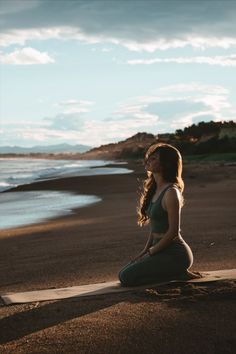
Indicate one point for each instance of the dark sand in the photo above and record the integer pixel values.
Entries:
(93, 244)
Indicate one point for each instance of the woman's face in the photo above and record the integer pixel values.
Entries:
(152, 164)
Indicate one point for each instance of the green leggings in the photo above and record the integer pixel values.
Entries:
(166, 264)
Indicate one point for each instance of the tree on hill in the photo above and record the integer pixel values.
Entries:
(203, 129)
(207, 138)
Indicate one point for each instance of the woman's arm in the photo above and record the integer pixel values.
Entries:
(173, 207)
(146, 248)
(149, 242)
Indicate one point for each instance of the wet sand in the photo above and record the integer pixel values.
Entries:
(93, 244)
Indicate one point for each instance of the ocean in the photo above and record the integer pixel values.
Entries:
(26, 208)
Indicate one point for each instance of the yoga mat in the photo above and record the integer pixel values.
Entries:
(105, 288)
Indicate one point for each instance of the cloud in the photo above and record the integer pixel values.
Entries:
(106, 50)
(137, 25)
(222, 60)
(82, 128)
(93, 132)
(65, 121)
(122, 124)
(181, 105)
(196, 87)
(213, 96)
(8, 7)
(30, 136)
(72, 106)
(113, 130)
(77, 102)
(193, 41)
(71, 116)
(169, 108)
(21, 36)
(26, 56)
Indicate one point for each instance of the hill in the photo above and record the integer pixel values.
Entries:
(132, 147)
(203, 138)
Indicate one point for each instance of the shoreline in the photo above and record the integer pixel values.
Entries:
(15, 174)
(34, 186)
(100, 185)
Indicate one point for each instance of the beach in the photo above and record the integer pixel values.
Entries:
(92, 244)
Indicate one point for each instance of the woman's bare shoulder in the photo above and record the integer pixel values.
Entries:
(173, 191)
(173, 194)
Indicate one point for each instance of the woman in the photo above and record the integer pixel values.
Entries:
(166, 254)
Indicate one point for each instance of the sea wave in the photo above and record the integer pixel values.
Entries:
(38, 206)
(16, 172)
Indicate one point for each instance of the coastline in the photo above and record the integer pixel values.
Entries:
(92, 245)
(15, 175)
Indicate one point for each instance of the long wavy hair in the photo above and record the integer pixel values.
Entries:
(171, 171)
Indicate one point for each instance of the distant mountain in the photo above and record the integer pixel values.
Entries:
(50, 149)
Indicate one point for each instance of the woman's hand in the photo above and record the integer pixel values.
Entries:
(144, 252)
(139, 256)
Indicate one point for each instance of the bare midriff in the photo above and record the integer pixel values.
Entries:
(162, 234)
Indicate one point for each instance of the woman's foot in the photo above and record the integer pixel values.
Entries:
(193, 275)
(188, 275)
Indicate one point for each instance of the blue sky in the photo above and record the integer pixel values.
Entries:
(94, 72)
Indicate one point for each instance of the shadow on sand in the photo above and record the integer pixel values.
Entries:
(39, 316)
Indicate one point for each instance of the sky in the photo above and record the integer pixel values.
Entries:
(94, 72)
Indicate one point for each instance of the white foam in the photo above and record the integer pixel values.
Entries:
(14, 172)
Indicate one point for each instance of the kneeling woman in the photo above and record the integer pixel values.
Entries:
(166, 254)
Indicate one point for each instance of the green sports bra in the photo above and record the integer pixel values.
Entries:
(157, 215)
